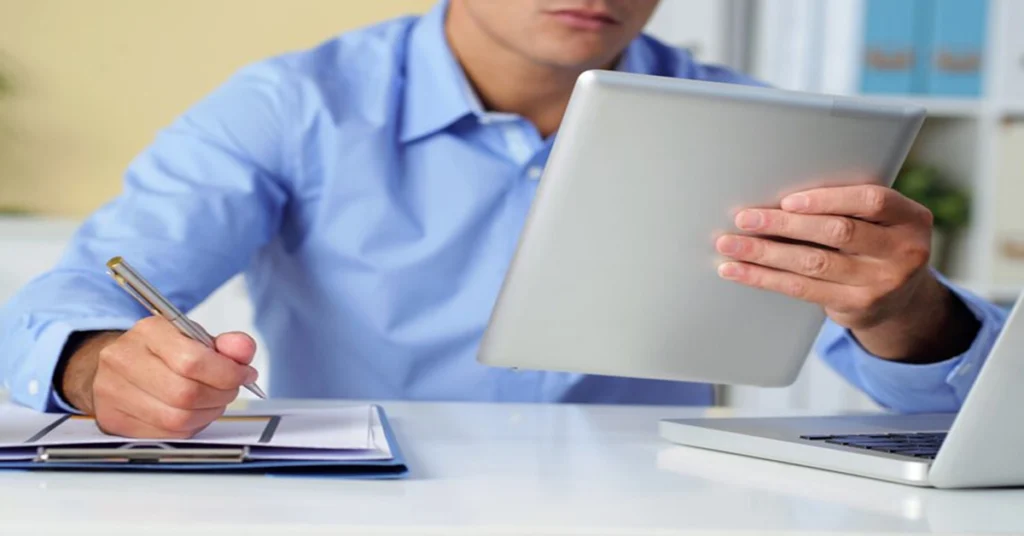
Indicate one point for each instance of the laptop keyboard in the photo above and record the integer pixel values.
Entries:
(917, 445)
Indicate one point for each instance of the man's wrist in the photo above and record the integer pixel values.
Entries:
(936, 326)
(76, 368)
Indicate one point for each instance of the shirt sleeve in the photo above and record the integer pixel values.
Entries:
(936, 387)
(196, 204)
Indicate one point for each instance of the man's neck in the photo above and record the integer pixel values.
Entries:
(504, 80)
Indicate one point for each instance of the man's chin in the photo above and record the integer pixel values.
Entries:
(578, 60)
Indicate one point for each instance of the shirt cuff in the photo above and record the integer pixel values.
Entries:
(935, 387)
(58, 404)
(32, 383)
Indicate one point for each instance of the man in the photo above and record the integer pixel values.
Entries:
(373, 189)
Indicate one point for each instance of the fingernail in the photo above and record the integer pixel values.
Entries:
(729, 245)
(796, 202)
(750, 220)
(729, 270)
(252, 376)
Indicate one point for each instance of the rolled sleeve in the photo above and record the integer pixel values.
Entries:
(197, 204)
(31, 382)
(936, 387)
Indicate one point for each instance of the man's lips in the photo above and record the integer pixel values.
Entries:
(581, 19)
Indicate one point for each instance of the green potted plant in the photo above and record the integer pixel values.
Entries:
(950, 206)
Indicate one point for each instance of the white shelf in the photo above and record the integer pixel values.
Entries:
(950, 108)
(938, 107)
(1013, 109)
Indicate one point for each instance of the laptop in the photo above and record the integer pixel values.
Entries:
(979, 446)
(615, 270)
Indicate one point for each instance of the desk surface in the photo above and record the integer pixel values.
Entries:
(508, 469)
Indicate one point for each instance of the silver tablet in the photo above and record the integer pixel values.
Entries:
(615, 271)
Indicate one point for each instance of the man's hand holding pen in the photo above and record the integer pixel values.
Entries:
(153, 381)
(164, 378)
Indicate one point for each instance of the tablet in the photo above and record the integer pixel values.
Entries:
(615, 272)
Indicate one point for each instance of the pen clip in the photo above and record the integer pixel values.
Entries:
(135, 294)
(196, 331)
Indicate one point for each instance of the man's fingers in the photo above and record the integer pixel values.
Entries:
(837, 232)
(119, 423)
(119, 394)
(868, 202)
(116, 422)
(189, 358)
(812, 262)
(150, 374)
(788, 283)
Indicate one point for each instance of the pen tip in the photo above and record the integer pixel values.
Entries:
(255, 389)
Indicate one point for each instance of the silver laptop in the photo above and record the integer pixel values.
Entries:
(981, 446)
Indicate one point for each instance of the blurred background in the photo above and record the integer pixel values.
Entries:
(84, 85)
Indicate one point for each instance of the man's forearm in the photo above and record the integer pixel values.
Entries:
(78, 368)
(937, 327)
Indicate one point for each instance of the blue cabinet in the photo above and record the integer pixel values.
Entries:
(932, 47)
(958, 47)
(895, 53)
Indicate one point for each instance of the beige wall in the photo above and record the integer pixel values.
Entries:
(94, 79)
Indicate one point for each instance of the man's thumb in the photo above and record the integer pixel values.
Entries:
(237, 346)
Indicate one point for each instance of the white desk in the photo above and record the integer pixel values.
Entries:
(507, 469)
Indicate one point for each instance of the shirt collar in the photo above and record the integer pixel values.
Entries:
(435, 85)
(437, 92)
(638, 57)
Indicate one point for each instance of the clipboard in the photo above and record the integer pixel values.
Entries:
(218, 452)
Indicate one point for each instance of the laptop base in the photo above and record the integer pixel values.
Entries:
(780, 439)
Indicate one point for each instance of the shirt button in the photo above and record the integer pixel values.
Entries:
(33, 387)
(534, 172)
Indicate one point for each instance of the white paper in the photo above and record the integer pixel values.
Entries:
(18, 424)
(259, 453)
(76, 429)
(357, 429)
(232, 431)
(347, 428)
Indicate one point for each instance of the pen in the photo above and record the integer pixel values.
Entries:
(151, 299)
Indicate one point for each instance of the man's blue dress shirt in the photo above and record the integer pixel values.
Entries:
(373, 206)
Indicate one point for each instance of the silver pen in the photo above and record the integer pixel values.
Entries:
(151, 299)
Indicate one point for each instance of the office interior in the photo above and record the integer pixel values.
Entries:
(85, 86)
